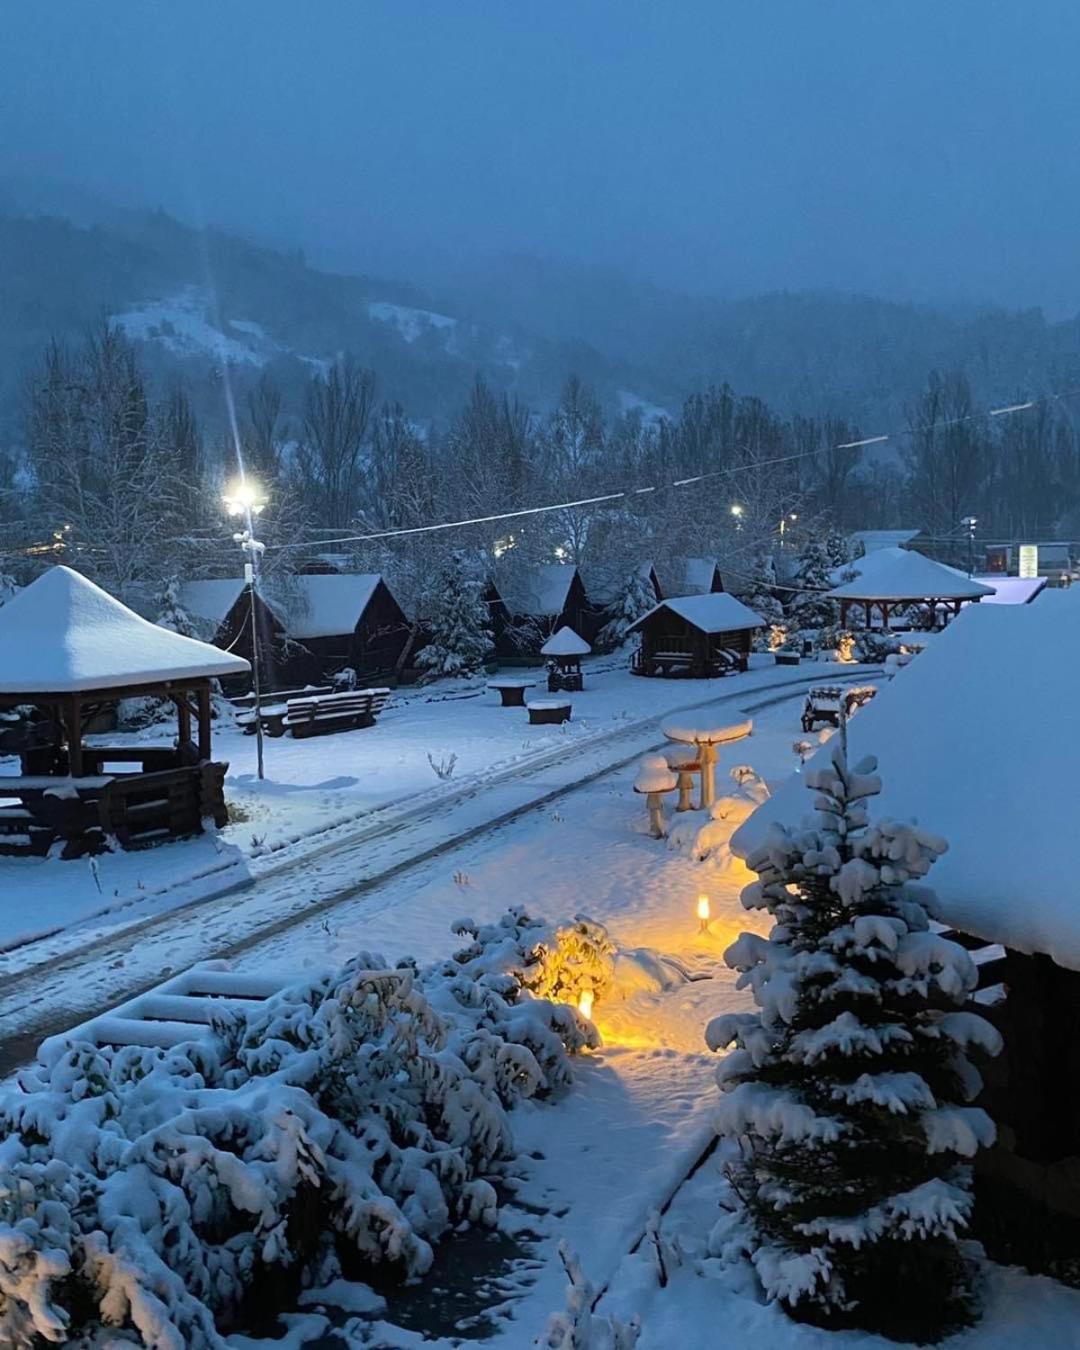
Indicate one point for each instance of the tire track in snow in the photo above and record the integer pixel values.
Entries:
(54, 996)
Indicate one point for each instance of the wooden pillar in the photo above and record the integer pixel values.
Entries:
(204, 721)
(73, 730)
(183, 718)
(885, 616)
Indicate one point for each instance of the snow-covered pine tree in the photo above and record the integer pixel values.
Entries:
(845, 1092)
(837, 547)
(171, 612)
(636, 599)
(811, 613)
(760, 596)
(460, 637)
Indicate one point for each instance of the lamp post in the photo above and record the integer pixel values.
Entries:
(737, 511)
(970, 522)
(246, 500)
(793, 517)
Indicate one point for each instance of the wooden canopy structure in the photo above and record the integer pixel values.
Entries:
(68, 649)
(894, 579)
(696, 636)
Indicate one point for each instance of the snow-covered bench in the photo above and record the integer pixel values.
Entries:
(823, 703)
(333, 712)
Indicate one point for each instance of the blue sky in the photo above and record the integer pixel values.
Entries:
(925, 148)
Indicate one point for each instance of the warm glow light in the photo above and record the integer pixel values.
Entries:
(736, 510)
(703, 909)
(585, 1002)
(243, 496)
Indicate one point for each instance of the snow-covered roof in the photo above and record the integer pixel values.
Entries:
(902, 574)
(872, 540)
(540, 591)
(605, 584)
(688, 576)
(326, 604)
(210, 600)
(1012, 590)
(62, 635)
(717, 612)
(977, 740)
(565, 643)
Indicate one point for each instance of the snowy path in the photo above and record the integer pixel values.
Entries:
(58, 988)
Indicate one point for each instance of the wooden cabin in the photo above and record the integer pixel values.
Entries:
(689, 576)
(977, 740)
(695, 636)
(68, 650)
(540, 600)
(348, 619)
(221, 609)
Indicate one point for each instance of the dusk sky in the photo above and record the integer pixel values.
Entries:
(909, 149)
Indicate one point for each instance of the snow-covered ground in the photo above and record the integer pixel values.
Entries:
(324, 782)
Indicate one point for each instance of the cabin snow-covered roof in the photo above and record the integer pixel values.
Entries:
(540, 591)
(326, 604)
(62, 634)
(902, 574)
(716, 612)
(211, 598)
(1012, 590)
(976, 740)
(688, 576)
(872, 540)
(565, 643)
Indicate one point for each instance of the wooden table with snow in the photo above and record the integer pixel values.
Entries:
(511, 692)
(706, 735)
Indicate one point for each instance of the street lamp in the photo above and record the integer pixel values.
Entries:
(970, 522)
(793, 517)
(246, 500)
(737, 511)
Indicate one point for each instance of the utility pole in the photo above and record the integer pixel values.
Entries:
(245, 499)
(970, 522)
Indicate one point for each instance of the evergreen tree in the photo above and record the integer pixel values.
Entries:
(460, 637)
(843, 1089)
(638, 597)
(761, 598)
(837, 548)
(811, 610)
(171, 612)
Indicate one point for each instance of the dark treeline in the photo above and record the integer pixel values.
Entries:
(124, 482)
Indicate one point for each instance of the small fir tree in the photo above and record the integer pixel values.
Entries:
(460, 638)
(811, 612)
(837, 548)
(637, 598)
(845, 1091)
(760, 596)
(171, 612)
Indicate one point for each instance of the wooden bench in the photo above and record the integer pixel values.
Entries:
(334, 712)
(549, 712)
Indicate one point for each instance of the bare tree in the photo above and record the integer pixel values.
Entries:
(333, 437)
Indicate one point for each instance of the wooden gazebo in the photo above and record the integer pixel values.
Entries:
(895, 579)
(697, 636)
(67, 651)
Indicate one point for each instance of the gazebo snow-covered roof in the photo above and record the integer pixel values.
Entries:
(976, 740)
(565, 643)
(716, 612)
(63, 634)
(899, 574)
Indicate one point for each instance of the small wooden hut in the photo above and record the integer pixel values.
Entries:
(345, 619)
(66, 650)
(890, 581)
(221, 609)
(695, 636)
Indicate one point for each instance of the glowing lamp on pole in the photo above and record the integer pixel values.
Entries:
(703, 913)
(245, 499)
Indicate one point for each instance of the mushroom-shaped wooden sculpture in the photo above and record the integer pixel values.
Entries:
(683, 761)
(706, 735)
(653, 780)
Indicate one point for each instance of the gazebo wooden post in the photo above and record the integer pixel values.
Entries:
(183, 717)
(72, 715)
(885, 616)
(204, 721)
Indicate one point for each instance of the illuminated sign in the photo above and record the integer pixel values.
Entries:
(1029, 560)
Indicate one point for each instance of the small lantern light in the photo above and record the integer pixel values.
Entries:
(585, 1002)
(703, 913)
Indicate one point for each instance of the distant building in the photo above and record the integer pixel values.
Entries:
(539, 600)
(869, 541)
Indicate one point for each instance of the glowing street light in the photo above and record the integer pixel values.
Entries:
(245, 499)
(703, 913)
(737, 510)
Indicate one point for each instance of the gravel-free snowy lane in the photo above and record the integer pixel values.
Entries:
(57, 988)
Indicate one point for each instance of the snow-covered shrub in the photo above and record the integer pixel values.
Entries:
(345, 1123)
(135, 714)
(578, 1327)
(171, 613)
(459, 627)
(872, 647)
(846, 1090)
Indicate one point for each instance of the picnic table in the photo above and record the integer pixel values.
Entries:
(549, 711)
(511, 692)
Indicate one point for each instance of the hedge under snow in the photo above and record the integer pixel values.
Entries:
(344, 1124)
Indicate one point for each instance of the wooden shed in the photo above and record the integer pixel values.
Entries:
(695, 636)
(348, 619)
(221, 608)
